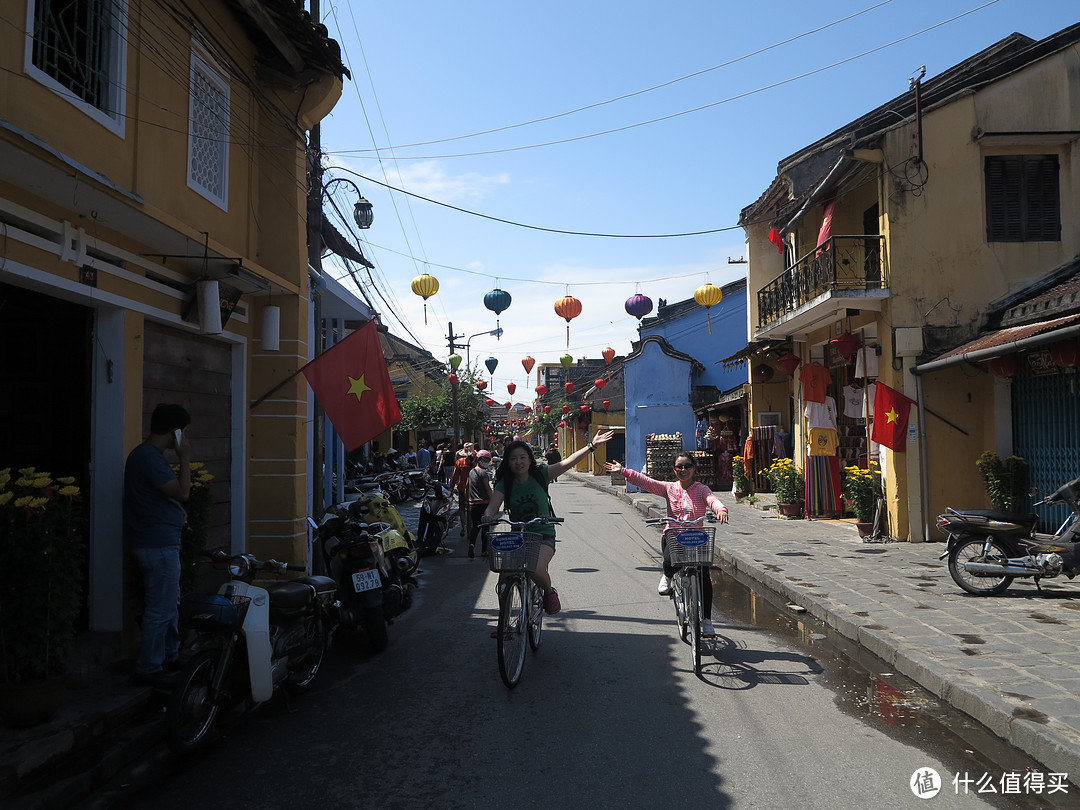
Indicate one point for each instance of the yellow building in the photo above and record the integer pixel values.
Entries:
(153, 249)
(914, 229)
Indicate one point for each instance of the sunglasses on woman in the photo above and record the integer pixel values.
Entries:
(684, 466)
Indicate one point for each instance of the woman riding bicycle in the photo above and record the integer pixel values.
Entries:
(522, 484)
(687, 499)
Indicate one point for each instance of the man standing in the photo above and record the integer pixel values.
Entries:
(154, 518)
(423, 456)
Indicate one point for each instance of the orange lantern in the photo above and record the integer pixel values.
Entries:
(527, 363)
(481, 385)
(568, 308)
(453, 379)
(608, 354)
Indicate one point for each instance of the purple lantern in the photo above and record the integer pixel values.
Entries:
(638, 305)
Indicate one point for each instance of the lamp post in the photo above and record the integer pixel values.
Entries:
(495, 332)
(363, 212)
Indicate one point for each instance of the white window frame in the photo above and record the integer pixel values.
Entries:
(205, 68)
(113, 118)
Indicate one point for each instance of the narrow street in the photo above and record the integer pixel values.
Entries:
(608, 713)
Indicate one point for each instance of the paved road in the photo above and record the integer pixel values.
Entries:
(608, 714)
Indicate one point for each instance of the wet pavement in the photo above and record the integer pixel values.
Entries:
(1011, 662)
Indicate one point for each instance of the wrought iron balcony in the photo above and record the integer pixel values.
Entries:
(844, 266)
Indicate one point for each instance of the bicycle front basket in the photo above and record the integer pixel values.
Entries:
(692, 546)
(514, 551)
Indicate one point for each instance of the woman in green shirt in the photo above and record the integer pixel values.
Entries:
(521, 484)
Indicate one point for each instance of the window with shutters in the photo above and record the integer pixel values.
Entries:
(208, 132)
(1022, 199)
(77, 49)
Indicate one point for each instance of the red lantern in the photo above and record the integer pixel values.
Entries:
(511, 387)
(846, 344)
(569, 387)
(547, 409)
(608, 354)
(762, 373)
(566, 409)
(1066, 353)
(789, 362)
(584, 408)
(607, 404)
(489, 402)
(541, 390)
(453, 379)
(508, 406)
(600, 383)
(481, 385)
(1005, 367)
(562, 424)
(527, 409)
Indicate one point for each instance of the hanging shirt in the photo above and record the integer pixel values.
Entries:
(866, 362)
(853, 402)
(821, 414)
(822, 442)
(815, 382)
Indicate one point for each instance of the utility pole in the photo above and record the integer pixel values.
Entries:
(450, 338)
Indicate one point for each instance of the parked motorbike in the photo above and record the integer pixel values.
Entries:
(397, 541)
(370, 591)
(988, 549)
(437, 515)
(415, 479)
(245, 642)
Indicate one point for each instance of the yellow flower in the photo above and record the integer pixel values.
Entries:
(24, 482)
(67, 479)
(37, 503)
(23, 501)
(26, 470)
(41, 483)
(69, 491)
(196, 465)
(6, 496)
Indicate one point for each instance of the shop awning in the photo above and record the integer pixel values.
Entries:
(1005, 341)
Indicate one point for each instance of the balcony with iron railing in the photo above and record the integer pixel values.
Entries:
(843, 272)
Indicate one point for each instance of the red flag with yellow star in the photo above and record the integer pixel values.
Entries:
(891, 409)
(351, 382)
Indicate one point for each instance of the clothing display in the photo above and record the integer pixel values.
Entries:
(866, 362)
(822, 441)
(815, 382)
(823, 487)
(853, 401)
(821, 414)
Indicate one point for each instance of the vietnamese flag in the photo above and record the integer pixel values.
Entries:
(891, 409)
(825, 232)
(351, 382)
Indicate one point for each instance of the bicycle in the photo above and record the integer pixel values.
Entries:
(514, 555)
(690, 547)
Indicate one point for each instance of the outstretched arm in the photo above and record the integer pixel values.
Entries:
(562, 466)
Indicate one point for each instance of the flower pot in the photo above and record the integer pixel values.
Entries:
(23, 705)
(865, 529)
(790, 510)
(740, 495)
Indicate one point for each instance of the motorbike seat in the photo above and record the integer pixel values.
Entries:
(289, 595)
(1025, 519)
(319, 583)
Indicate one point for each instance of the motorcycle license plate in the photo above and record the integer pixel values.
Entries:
(367, 580)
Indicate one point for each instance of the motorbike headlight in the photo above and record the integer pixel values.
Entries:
(240, 567)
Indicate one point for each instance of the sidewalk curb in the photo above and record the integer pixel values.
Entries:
(1047, 740)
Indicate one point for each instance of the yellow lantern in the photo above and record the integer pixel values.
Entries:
(425, 286)
(708, 295)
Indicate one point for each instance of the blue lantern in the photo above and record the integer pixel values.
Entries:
(497, 301)
(491, 363)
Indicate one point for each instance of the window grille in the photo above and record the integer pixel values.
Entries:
(208, 132)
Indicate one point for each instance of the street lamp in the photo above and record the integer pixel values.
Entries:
(496, 332)
(363, 213)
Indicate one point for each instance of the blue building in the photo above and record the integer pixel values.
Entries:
(674, 376)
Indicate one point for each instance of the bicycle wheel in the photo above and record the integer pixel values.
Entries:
(536, 616)
(678, 598)
(693, 588)
(512, 621)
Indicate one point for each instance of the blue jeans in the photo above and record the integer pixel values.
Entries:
(160, 637)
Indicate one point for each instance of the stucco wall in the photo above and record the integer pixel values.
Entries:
(658, 400)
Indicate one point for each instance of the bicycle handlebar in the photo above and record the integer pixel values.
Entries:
(541, 520)
(696, 521)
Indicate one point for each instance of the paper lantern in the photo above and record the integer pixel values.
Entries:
(511, 388)
(600, 383)
(547, 409)
(606, 403)
(527, 363)
(425, 286)
(492, 363)
(453, 378)
(585, 409)
(497, 301)
(569, 387)
(762, 373)
(1005, 367)
(1066, 353)
(566, 360)
(562, 424)
(455, 361)
(527, 409)
(638, 305)
(541, 390)
(481, 384)
(568, 308)
(489, 402)
(566, 409)
(708, 295)
(507, 405)
(608, 354)
(846, 344)
(789, 362)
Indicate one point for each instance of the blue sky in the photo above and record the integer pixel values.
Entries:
(591, 127)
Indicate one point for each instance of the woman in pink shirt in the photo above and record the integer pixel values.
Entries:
(687, 499)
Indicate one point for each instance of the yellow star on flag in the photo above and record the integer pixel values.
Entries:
(358, 387)
(891, 415)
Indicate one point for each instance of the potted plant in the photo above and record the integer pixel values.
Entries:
(863, 488)
(742, 484)
(40, 590)
(788, 485)
(1006, 481)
